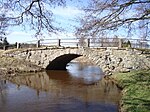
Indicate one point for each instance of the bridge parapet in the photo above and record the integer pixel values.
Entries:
(78, 42)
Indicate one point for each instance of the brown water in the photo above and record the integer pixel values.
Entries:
(80, 89)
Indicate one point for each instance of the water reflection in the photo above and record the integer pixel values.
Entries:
(59, 91)
(88, 74)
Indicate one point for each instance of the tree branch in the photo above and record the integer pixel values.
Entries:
(113, 14)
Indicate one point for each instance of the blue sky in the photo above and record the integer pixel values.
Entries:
(65, 16)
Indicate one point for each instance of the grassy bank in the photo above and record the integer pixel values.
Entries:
(136, 91)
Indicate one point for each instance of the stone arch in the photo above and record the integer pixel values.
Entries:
(109, 59)
(60, 62)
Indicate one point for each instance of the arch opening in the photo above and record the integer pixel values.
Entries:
(60, 63)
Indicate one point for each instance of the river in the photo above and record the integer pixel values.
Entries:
(81, 88)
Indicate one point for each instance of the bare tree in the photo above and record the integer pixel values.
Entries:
(3, 26)
(110, 15)
(35, 13)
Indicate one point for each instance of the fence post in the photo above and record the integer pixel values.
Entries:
(58, 44)
(38, 44)
(88, 42)
(4, 47)
(120, 43)
(18, 45)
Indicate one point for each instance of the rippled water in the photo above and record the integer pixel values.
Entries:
(80, 89)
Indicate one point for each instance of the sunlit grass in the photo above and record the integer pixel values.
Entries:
(136, 91)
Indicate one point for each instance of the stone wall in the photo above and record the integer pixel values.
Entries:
(109, 59)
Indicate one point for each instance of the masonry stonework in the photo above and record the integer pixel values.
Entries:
(109, 59)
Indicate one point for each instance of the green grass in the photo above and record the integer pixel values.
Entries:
(136, 91)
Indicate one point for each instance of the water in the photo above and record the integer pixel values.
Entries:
(80, 89)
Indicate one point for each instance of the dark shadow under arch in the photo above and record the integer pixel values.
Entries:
(61, 62)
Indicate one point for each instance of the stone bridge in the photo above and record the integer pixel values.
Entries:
(109, 59)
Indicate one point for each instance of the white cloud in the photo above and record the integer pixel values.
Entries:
(66, 17)
(66, 35)
(23, 37)
(19, 33)
(19, 36)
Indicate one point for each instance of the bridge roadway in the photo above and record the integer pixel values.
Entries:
(109, 59)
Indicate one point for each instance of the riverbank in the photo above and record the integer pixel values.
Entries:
(135, 87)
(10, 66)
